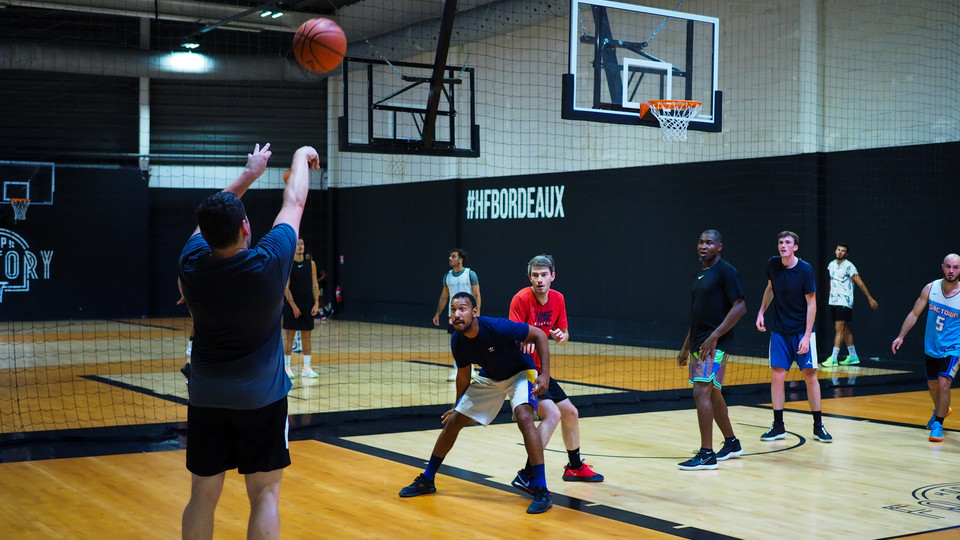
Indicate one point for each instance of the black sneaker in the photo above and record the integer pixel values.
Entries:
(522, 482)
(420, 486)
(704, 460)
(730, 449)
(542, 500)
(186, 371)
(776, 432)
(820, 434)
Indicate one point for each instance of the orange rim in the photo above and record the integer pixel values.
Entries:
(662, 104)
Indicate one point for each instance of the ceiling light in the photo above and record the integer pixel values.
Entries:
(188, 62)
(266, 13)
(277, 15)
(190, 45)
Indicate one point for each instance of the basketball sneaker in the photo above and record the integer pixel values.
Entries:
(308, 373)
(583, 473)
(936, 432)
(933, 417)
(542, 500)
(850, 361)
(522, 482)
(829, 362)
(185, 369)
(704, 460)
(420, 486)
(730, 449)
(776, 432)
(297, 343)
(290, 373)
(820, 434)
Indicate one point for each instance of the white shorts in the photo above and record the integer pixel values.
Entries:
(484, 397)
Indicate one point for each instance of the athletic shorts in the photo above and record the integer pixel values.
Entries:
(841, 313)
(554, 393)
(250, 441)
(304, 322)
(942, 367)
(783, 352)
(484, 396)
(710, 369)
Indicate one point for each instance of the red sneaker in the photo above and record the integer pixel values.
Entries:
(583, 473)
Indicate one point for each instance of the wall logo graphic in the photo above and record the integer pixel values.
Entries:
(19, 264)
(542, 202)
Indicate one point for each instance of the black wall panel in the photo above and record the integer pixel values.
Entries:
(97, 231)
(625, 248)
(172, 220)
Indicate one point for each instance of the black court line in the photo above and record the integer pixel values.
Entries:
(913, 535)
(132, 387)
(801, 440)
(573, 503)
(144, 325)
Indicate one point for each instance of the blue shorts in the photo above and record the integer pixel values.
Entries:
(942, 367)
(783, 352)
(710, 369)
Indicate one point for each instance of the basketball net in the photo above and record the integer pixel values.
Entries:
(19, 208)
(674, 116)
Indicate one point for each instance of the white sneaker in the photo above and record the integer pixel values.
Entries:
(289, 373)
(308, 373)
(452, 377)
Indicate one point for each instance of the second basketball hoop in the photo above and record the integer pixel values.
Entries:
(674, 116)
(19, 208)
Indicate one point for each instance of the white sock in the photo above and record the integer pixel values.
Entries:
(286, 361)
(306, 361)
(852, 351)
(836, 353)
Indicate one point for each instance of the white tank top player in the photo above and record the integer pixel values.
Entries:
(457, 283)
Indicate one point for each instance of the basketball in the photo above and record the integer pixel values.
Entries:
(319, 45)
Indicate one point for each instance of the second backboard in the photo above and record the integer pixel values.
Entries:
(623, 55)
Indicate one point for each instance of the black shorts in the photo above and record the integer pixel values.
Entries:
(554, 392)
(304, 322)
(247, 440)
(841, 313)
(942, 367)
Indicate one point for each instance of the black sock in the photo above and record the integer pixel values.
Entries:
(574, 457)
(526, 468)
(817, 418)
(778, 417)
(940, 419)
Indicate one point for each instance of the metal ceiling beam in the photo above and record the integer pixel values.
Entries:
(110, 62)
(204, 13)
(436, 81)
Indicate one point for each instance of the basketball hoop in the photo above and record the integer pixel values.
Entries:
(674, 116)
(19, 208)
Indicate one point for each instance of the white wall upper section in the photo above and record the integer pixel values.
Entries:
(798, 76)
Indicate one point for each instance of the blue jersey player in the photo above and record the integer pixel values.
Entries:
(506, 373)
(941, 341)
(793, 294)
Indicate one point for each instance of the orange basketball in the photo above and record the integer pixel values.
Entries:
(319, 45)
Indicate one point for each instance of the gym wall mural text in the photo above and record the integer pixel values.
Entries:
(541, 202)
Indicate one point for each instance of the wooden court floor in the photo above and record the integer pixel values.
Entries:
(882, 478)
